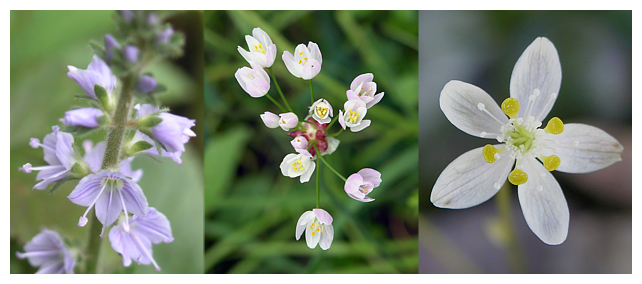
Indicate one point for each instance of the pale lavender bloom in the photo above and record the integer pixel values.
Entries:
(173, 132)
(58, 152)
(97, 73)
(254, 81)
(306, 61)
(288, 120)
(139, 136)
(353, 117)
(110, 45)
(363, 88)
(262, 50)
(86, 117)
(127, 15)
(111, 193)
(48, 251)
(135, 243)
(94, 156)
(271, 120)
(146, 84)
(152, 19)
(164, 36)
(358, 185)
(131, 53)
(318, 228)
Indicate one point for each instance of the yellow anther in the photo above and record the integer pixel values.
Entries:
(322, 111)
(260, 45)
(313, 233)
(554, 126)
(312, 226)
(321, 231)
(297, 166)
(517, 177)
(551, 162)
(317, 229)
(283, 120)
(353, 116)
(489, 153)
(510, 107)
(301, 53)
(299, 61)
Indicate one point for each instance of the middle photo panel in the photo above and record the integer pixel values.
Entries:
(311, 154)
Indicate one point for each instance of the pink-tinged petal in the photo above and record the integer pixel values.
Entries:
(543, 204)
(323, 216)
(270, 56)
(294, 68)
(461, 103)
(364, 123)
(305, 177)
(315, 53)
(270, 120)
(371, 175)
(244, 53)
(377, 98)
(286, 164)
(326, 236)
(469, 180)
(352, 185)
(537, 68)
(310, 69)
(311, 237)
(583, 148)
(302, 223)
(363, 78)
(352, 95)
(342, 121)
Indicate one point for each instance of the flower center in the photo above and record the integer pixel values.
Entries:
(321, 111)
(259, 48)
(316, 227)
(365, 92)
(302, 59)
(298, 166)
(352, 116)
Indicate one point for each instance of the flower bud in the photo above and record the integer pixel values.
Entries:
(146, 84)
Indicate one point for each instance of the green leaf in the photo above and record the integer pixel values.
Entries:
(138, 147)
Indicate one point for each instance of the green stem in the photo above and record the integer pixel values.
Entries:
(336, 133)
(332, 122)
(515, 259)
(275, 102)
(318, 170)
(279, 89)
(326, 163)
(111, 160)
(311, 92)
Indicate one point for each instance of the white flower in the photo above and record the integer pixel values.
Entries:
(300, 164)
(477, 175)
(271, 120)
(306, 61)
(355, 111)
(364, 89)
(288, 120)
(254, 81)
(321, 111)
(262, 50)
(318, 228)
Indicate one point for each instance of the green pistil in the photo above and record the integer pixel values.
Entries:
(521, 136)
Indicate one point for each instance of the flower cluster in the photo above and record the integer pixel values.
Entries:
(107, 182)
(311, 140)
(477, 175)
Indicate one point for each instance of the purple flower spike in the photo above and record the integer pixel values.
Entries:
(97, 73)
(111, 193)
(110, 45)
(164, 36)
(146, 84)
(48, 251)
(131, 53)
(360, 184)
(173, 132)
(136, 242)
(86, 117)
(58, 153)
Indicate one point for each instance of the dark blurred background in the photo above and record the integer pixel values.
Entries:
(251, 209)
(43, 43)
(481, 48)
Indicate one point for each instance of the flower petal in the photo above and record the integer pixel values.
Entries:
(108, 206)
(460, 103)
(311, 237)
(305, 177)
(326, 236)
(134, 198)
(364, 123)
(363, 78)
(87, 190)
(323, 216)
(537, 68)
(303, 222)
(310, 69)
(583, 148)
(469, 180)
(371, 175)
(543, 204)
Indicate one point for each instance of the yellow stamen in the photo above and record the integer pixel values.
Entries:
(551, 162)
(489, 153)
(554, 126)
(322, 111)
(298, 166)
(301, 53)
(517, 177)
(510, 107)
(313, 233)
(312, 226)
(353, 116)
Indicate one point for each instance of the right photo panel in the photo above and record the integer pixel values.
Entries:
(525, 130)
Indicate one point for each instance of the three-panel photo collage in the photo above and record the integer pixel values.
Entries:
(330, 142)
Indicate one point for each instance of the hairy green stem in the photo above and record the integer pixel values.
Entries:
(279, 89)
(515, 260)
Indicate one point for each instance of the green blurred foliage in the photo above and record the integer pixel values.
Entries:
(251, 209)
(43, 43)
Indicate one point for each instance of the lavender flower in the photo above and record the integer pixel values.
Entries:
(97, 73)
(138, 136)
(164, 36)
(58, 153)
(135, 242)
(131, 53)
(48, 251)
(146, 84)
(111, 193)
(85, 117)
(127, 15)
(173, 132)
(94, 157)
(110, 45)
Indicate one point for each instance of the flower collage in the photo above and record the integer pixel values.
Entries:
(327, 142)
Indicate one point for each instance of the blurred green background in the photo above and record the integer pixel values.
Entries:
(481, 48)
(43, 43)
(251, 209)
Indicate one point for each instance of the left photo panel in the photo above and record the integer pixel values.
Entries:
(106, 142)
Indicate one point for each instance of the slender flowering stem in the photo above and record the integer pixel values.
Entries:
(330, 167)
(279, 89)
(336, 133)
(311, 92)
(515, 259)
(332, 122)
(318, 170)
(275, 102)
